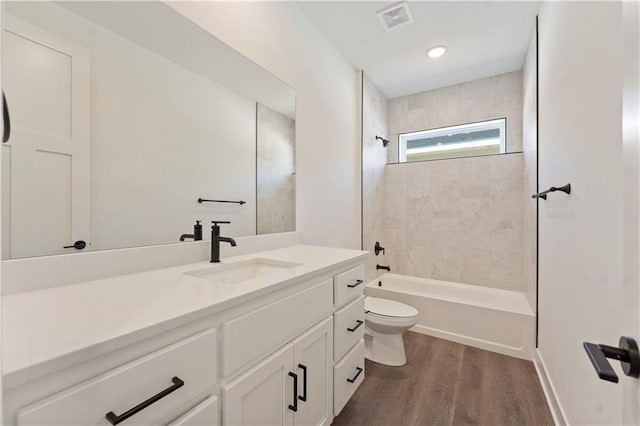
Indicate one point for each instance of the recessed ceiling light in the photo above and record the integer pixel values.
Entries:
(436, 52)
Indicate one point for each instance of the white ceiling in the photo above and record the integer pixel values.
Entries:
(483, 39)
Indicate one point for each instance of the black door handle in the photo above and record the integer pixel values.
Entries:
(5, 119)
(352, 329)
(627, 354)
(294, 407)
(78, 245)
(114, 419)
(304, 382)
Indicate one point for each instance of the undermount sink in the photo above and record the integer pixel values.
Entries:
(233, 273)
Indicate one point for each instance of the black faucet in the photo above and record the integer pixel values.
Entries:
(386, 268)
(197, 233)
(215, 241)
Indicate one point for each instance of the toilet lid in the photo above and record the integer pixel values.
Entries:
(388, 308)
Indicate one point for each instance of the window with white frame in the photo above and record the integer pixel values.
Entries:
(465, 140)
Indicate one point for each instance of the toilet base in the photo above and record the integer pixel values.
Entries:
(387, 349)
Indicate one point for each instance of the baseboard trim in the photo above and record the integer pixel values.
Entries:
(555, 407)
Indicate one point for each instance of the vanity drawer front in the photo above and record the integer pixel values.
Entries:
(349, 327)
(205, 413)
(256, 334)
(347, 377)
(349, 285)
(192, 361)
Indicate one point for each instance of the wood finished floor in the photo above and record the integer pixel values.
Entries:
(445, 383)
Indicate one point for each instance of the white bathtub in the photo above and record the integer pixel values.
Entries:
(488, 318)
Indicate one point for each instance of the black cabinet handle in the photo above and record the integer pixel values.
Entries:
(6, 120)
(294, 407)
(627, 354)
(359, 323)
(359, 370)
(304, 382)
(114, 419)
(78, 245)
(357, 283)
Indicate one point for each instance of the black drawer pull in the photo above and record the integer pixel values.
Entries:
(294, 407)
(114, 419)
(360, 370)
(6, 120)
(304, 382)
(358, 282)
(359, 323)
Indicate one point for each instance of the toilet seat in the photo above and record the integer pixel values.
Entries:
(385, 308)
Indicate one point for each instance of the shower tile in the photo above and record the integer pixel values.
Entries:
(395, 174)
(475, 188)
(475, 213)
(442, 170)
(476, 88)
(476, 268)
(475, 109)
(423, 101)
(507, 166)
(418, 180)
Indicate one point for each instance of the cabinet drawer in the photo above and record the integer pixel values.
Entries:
(349, 327)
(192, 361)
(348, 285)
(347, 376)
(204, 414)
(256, 334)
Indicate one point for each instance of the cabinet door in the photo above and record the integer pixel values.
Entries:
(313, 364)
(262, 395)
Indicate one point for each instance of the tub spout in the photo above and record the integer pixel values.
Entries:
(386, 268)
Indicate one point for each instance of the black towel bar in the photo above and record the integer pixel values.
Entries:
(204, 200)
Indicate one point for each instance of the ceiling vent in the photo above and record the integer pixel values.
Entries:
(395, 16)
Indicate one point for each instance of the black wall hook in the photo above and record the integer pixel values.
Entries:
(566, 189)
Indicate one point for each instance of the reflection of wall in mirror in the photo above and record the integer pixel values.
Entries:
(483, 99)
(161, 136)
(275, 172)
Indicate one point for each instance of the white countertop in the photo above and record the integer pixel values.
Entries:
(46, 330)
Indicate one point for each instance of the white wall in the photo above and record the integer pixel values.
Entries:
(161, 137)
(280, 38)
(580, 241)
(530, 172)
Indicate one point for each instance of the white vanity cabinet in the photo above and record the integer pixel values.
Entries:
(287, 356)
(292, 386)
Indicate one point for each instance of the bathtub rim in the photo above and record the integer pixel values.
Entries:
(526, 309)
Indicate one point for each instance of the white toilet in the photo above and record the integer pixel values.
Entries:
(385, 320)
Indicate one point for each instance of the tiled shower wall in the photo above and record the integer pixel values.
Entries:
(456, 220)
(499, 96)
(374, 158)
(276, 180)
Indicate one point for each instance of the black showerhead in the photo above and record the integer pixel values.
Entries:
(385, 142)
